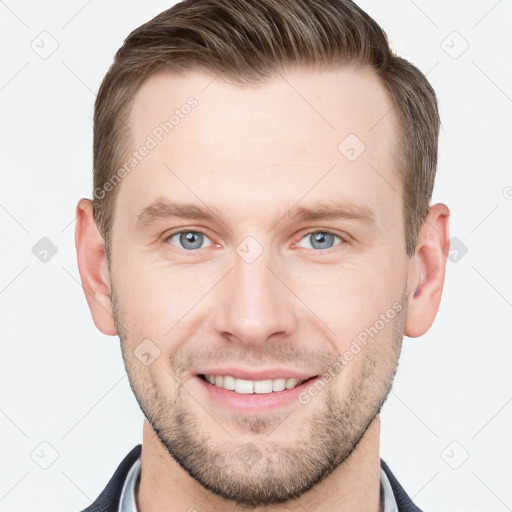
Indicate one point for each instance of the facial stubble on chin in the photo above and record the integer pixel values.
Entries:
(265, 472)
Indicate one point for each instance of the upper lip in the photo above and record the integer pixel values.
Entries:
(271, 373)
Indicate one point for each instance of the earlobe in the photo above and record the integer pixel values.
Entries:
(92, 265)
(427, 271)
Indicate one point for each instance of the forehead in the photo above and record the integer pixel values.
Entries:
(276, 138)
(332, 103)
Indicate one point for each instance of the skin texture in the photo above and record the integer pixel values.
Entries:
(250, 155)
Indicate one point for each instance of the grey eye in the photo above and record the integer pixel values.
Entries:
(320, 240)
(189, 240)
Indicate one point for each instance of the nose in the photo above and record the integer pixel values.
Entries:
(254, 304)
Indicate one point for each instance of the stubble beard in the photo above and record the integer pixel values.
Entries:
(264, 472)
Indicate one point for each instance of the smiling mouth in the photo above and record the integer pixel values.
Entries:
(248, 387)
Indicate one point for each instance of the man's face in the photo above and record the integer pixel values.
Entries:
(261, 289)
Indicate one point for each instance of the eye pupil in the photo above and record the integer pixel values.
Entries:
(321, 240)
(191, 240)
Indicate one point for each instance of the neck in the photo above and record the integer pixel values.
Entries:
(353, 485)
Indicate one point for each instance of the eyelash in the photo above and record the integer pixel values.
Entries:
(342, 239)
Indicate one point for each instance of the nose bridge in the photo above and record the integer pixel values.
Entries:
(255, 304)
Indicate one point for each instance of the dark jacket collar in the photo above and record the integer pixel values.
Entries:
(403, 501)
(108, 500)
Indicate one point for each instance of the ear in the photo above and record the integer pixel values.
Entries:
(92, 264)
(427, 271)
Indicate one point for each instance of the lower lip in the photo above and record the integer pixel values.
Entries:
(254, 402)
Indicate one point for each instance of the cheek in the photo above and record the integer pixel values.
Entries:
(361, 307)
(155, 295)
(348, 297)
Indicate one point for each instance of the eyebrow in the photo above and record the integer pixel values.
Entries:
(333, 211)
(165, 209)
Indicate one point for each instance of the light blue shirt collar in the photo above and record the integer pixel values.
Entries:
(127, 503)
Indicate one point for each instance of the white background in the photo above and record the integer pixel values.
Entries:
(63, 382)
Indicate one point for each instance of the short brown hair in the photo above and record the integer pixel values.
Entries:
(247, 41)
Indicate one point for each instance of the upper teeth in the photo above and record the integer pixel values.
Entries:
(252, 386)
